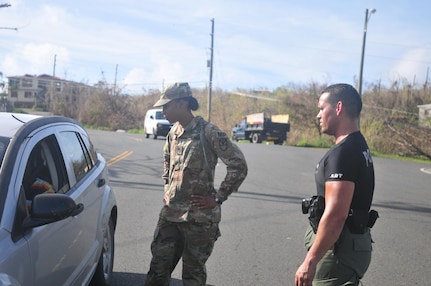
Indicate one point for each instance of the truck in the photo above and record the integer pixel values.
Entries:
(257, 128)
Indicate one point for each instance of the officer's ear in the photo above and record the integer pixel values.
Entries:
(339, 107)
(183, 104)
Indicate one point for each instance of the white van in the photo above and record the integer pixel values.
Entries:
(156, 124)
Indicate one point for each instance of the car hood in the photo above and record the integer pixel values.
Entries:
(163, 121)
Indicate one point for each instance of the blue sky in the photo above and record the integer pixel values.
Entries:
(257, 44)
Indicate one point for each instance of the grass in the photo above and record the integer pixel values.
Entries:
(136, 131)
(403, 158)
(325, 144)
(102, 128)
(316, 143)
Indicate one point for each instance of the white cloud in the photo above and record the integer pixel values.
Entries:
(42, 55)
(413, 65)
(11, 65)
(36, 58)
(256, 44)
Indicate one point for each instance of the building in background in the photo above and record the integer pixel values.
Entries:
(425, 115)
(31, 91)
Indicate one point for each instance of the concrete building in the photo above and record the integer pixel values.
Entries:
(30, 91)
(425, 115)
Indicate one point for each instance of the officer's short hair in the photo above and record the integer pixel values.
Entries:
(348, 95)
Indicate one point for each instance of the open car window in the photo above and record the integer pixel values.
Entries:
(45, 171)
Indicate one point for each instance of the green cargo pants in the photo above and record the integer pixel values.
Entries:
(173, 240)
(346, 262)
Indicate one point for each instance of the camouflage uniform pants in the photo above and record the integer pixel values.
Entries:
(346, 263)
(173, 240)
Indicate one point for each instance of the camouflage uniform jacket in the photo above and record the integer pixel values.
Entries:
(186, 171)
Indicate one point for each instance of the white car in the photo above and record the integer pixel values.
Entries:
(57, 212)
(155, 123)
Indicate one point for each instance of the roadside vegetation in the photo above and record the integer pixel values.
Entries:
(389, 118)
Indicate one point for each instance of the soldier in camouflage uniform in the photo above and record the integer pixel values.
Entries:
(188, 222)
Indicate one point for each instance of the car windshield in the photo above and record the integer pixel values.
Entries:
(4, 141)
(159, 115)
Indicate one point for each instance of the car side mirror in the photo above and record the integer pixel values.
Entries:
(49, 208)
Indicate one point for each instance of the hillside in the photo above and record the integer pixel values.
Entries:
(389, 117)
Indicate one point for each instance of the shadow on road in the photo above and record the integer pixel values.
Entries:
(268, 197)
(128, 279)
(137, 279)
(403, 206)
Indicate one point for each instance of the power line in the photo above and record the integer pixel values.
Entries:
(5, 5)
(254, 96)
(8, 28)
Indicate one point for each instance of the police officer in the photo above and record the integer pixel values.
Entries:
(339, 247)
(188, 224)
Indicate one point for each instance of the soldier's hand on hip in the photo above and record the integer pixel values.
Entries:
(203, 202)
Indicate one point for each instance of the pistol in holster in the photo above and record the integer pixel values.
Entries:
(359, 221)
(314, 206)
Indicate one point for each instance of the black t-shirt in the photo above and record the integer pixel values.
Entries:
(349, 160)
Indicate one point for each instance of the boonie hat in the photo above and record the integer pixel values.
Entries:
(174, 91)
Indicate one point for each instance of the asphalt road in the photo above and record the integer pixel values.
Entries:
(262, 225)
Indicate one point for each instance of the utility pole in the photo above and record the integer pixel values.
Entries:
(426, 79)
(55, 62)
(361, 68)
(210, 65)
(115, 81)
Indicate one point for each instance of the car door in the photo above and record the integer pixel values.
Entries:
(87, 184)
(71, 246)
(240, 131)
(54, 248)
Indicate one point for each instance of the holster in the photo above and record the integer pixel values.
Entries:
(359, 221)
(317, 207)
